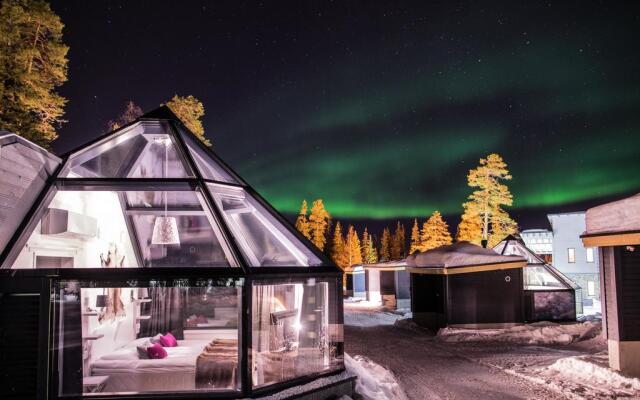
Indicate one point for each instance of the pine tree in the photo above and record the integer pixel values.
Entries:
(469, 228)
(33, 63)
(435, 233)
(371, 256)
(398, 243)
(385, 244)
(190, 111)
(302, 223)
(338, 248)
(131, 113)
(353, 249)
(487, 200)
(415, 238)
(364, 244)
(318, 223)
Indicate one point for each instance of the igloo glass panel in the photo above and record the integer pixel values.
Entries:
(191, 236)
(145, 150)
(539, 278)
(296, 330)
(113, 338)
(79, 229)
(207, 164)
(108, 229)
(264, 240)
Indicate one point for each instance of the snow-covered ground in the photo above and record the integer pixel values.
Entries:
(536, 333)
(375, 382)
(550, 361)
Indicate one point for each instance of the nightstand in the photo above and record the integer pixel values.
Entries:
(94, 384)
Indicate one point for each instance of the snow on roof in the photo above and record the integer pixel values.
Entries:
(385, 264)
(460, 254)
(615, 217)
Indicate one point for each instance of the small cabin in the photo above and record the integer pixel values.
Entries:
(385, 283)
(464, 285)
(615, 229)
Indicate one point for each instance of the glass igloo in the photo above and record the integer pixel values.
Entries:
(145, 235)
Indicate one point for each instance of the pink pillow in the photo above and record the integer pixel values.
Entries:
(156, 351)
(168, 340)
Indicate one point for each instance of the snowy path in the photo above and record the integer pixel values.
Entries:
(428, 369)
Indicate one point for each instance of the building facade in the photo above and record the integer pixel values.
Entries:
(573, 259)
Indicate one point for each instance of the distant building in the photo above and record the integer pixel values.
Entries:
(540, 241)
(573, 259)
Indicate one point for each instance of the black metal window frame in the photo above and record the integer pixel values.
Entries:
(123, 278)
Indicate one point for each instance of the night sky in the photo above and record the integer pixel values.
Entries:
(378, 109)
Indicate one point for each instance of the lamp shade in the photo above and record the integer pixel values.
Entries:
(165, 231)
(101, 300)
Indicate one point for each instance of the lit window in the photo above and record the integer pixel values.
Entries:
(571, 254)
(590, 254)
(591, 288)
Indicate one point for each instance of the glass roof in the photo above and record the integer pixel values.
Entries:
(152, 195)
(538, 275)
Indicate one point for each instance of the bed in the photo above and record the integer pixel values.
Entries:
(128, 373)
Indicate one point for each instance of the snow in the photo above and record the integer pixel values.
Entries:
(458, 254)
(617, 216)
(375, 382)
(592, 372)
(537, 333)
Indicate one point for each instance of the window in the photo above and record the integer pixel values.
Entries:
(591, 288)
(105, 336)
(264, 240)
(590, 254)
(571, 255)
(92, 229)
(295, 330)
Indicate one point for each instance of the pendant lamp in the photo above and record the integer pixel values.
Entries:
(165, 229)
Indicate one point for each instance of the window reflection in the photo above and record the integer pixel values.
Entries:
(295, 331)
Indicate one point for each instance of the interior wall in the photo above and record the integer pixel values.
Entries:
(117, 332)
(85, 251)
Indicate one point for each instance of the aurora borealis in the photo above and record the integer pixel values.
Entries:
(378, 109)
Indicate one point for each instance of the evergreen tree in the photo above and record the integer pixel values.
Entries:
(302, 223)
(33, 63)
(318, 223)
(469, 228)
(385, 245)
(131, 113)
(353, 249)
(398, 243)
(371, 256)
(364, 244)
(338, 248)
(190, 111)
(487, 200)
(415, 238)
(435, 233)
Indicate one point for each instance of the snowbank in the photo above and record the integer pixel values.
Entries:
(375, 382)
(536, 333)
(593, 371)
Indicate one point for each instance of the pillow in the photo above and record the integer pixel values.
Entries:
(156, 351)
(142, 349)
(168, 340)
(156, 338)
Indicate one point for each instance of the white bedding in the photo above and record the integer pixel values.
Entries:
(128, 373)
